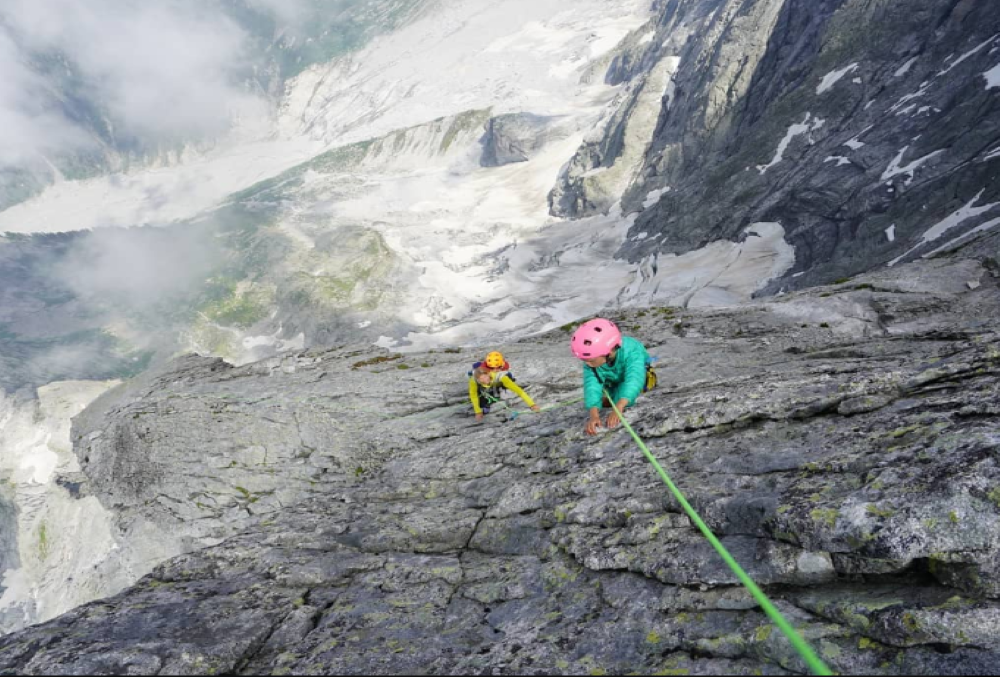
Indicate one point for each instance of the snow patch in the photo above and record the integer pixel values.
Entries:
(840, 160)
(466, 55)
(653, 196)
(720, 274)
(905, 68)
(155, 195)
(297, 342)
(895, 168)
(514, 56)
(890, 233)
(967, 211)
(671, 64)
(978, 229)
(992, 77)
(968, 54)
(853, 143)
(905, 99)
(831, 78)
(795, 130)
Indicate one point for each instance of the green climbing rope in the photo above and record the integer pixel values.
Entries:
(513, 413)
(815, 664)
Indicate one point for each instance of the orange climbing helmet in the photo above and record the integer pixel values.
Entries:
(494, 360)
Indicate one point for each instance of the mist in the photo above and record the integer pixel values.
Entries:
(98, 304)
(150, 70)
(138, 268)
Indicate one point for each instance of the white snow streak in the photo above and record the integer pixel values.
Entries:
(795, 130)
(831, 78)
(853, 143)
(905, 99)
(895, 168)
(653, 196)
(978, 229)
(904, 69)
(971, 52)
(967, 211)
(992, 77)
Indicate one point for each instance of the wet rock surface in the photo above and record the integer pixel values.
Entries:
(346, 514)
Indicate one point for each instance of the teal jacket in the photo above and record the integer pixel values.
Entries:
(623, 379)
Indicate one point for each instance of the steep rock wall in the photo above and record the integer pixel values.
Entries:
(842, 443)
(867, 129)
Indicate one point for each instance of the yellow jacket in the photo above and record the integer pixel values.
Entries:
(501, 379)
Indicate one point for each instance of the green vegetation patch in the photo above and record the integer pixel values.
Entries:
(379, 359)
(827, 516)
(241, 308)
(44, 545)
(873, 509)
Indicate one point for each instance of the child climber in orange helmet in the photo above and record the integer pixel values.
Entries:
(487, 379)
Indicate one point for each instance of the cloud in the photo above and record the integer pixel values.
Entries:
(157, 68)
(27, 125)
(137, 269)
(292, 12)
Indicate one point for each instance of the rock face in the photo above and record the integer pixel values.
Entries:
(514, 137)
(8, 531)
(842, 443)
(867, 129)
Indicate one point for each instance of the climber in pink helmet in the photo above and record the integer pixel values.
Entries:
(614, 365)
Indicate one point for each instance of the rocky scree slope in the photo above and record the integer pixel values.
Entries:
(843, 443)
(869, 129)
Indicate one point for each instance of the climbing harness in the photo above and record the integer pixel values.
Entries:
(815, 664)
(492, 394)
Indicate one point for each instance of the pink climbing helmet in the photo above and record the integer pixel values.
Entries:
(595, 338)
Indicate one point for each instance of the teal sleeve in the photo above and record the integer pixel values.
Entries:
(592, 389)
(635, 373)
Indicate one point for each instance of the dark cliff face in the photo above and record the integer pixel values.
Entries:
(858, 126)
(842, 442)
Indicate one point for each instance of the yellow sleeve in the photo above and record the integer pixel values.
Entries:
(510, 385)
(474, 395)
